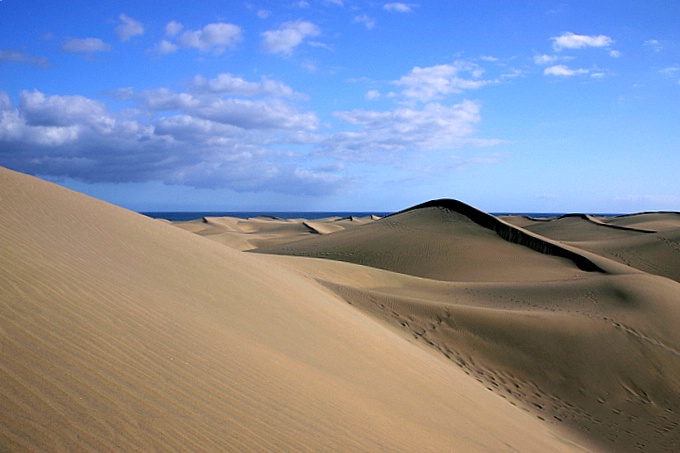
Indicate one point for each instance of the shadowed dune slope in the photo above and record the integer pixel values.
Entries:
(447, 240)
(121, 333)
(599, 353)
(649, 242)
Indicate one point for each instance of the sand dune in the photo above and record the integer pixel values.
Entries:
(436, 242)
(649, 242)
(440, 328)
(657, 221)
(597, 351)
(121, 333)
(249, 234)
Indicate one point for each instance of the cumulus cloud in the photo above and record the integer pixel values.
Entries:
(432, 127)
(85, 45)
(225, 131)
(41, 110)
(398, 7)
(52, 120)
(545, 59)
(229, 84)
(15, 56)
(287, 37)
(213, 38)
(128, 28)
(561, 70)
(372, 95)
(433, 82)
(202, 138)
(570, 40)
(5, 101)
(173, 28)
(165, 47)
(257, 114)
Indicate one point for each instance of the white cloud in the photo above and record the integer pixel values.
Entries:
(398, 7)
(5, 101)
(433, 82)
(263, 13)
(228, 84)
(85, 45)
(128, 28)
(372, 95)
(572, 41)
(365, 19)
(545, 59)
(258, 114)
(214, 38)
(614, 53)
(173, 28)
(208, 101)
(53, 120)
(433, 127)
(225, 132)
(16, 56)
(563, 71)
(288, 36)
(165, 47)
(205, 141)
(163, 99)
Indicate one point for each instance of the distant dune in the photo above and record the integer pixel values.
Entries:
(649, 241)
(439, 328)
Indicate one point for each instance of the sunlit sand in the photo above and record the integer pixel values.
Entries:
(439, 328)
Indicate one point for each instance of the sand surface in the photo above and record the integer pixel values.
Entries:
(435, 329)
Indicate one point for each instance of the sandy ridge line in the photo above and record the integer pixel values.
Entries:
(585, 261)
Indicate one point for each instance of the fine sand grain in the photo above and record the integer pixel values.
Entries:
(121, 333)
(440, 328)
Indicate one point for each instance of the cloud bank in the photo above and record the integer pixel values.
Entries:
(229, 132)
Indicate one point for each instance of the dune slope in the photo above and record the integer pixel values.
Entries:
(120, 333)
(446, 240)
(649, 242)
(596, 351)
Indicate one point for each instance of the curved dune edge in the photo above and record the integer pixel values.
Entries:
(652, 249)
(120, 333)
(450, 240)
(518, 235)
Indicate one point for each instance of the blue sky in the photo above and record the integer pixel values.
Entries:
(543, 106)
